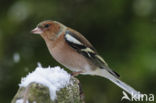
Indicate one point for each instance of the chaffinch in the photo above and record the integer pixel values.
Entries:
(74, 51)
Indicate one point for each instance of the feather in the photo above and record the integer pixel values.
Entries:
(72, 39)
(87, 50)
(124, 86)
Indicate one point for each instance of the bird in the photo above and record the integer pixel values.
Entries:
(71, 49)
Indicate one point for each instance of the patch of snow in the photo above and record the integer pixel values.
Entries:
(54, 78)
(21, 101)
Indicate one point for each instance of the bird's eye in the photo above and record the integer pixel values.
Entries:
(47, 25)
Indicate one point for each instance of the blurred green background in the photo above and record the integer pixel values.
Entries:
(122, 31)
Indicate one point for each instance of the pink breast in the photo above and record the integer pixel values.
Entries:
(68, 57)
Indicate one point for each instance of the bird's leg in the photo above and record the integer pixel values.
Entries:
(76, 73)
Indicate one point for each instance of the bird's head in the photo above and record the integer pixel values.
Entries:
(48, 28)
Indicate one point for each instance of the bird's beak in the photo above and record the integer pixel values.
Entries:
(37, 31)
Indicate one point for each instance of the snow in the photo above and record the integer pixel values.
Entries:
(21, 101)
(54, 78)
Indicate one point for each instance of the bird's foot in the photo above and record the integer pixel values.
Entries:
(76, 73)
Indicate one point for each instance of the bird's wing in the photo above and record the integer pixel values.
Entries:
(84, 47)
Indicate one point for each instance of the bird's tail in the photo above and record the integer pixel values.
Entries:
(124, 86)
